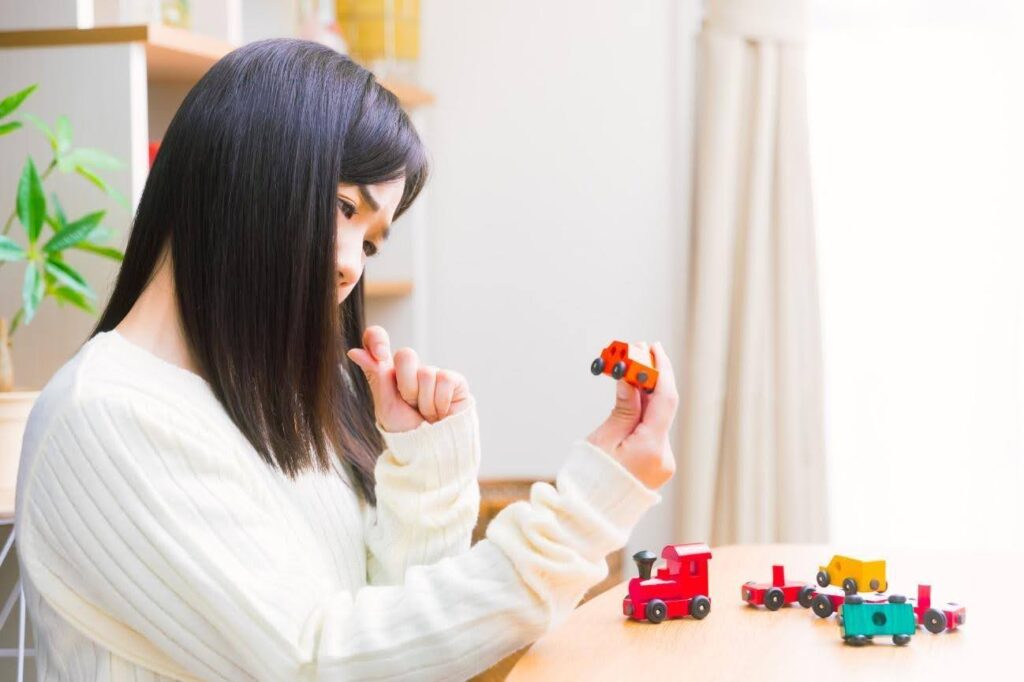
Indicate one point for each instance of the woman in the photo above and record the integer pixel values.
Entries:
(233, 480)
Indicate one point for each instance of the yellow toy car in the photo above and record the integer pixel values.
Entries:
(853, 575)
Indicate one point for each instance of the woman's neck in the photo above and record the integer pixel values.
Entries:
(154, 322)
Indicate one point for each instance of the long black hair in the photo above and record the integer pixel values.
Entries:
(243, 191)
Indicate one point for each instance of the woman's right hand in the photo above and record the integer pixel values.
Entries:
(636, 432)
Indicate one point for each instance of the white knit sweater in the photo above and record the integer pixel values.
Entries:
(154, 543)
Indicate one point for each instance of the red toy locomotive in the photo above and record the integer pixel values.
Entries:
(679, 589)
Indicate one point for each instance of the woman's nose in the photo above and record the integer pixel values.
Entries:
(349, 266)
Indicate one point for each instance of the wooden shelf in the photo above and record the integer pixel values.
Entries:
(172, 54)
(388, 289)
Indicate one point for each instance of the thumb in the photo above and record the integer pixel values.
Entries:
(626, 413)
(366, 363)
(620, 423)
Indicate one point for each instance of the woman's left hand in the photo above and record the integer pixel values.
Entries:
(406, 393)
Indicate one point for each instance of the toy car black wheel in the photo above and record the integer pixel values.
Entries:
(934, 621)
(774, 599)
(897, 599)
(849, 586)
(854, 599)
(823, 578)
(901, 640)
(656, 611)
(822, 606)
(856, 640)
(874, 585)
(596, 367)
(618, 370)
(806, 596)
(700, 607)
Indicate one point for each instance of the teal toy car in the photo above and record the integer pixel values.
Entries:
(860, 621)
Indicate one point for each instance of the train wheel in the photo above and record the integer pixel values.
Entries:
(700, 607)
(618, 370)
(934, 621)
(897, 599)
(823, 578)
(857, 640)
(774, 599)
(855, 599)
(806, 597)
(874, 585)
(901, 640)
(656, 611)
(596, 367)
(822, 606)
(850, 586)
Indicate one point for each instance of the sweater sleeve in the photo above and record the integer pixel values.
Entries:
(159, 526)
(428, 497)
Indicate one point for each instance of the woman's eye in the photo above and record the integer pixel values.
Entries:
(347, 209)
(369, 248)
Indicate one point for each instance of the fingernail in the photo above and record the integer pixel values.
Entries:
(380, 351)
(622, 390)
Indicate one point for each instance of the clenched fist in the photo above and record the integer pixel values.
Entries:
(406, 393)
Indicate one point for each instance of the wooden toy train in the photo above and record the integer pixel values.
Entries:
(679, 589)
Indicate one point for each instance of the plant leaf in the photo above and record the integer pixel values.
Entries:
(68, 295)
(58, 212)
(31, 291)
(105, 251)
(40, 124)
(94, 159)
(9, 250)
(62, 130)
(12, 102)
(31, 201)
(74, 232)
(9, 127)
(69, 277)
(15, 321)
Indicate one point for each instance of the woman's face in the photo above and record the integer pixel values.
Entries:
(365, 213)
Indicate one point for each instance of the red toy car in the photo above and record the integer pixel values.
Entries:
(622, 361)
(778, 593)
(829, 599)
(680, 588)
(935, 619)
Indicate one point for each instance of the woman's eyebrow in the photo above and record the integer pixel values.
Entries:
(368, 198)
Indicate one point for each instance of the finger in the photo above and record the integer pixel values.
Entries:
(406, 364)
(365, 362)
(624, 416)
(661, 407)
(371, 369)
(375, 340)
(427, 377)
(444, 391)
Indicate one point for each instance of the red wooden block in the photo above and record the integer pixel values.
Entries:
(779, 593)
(937, 617)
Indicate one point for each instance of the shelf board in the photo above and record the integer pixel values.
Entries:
(388, 288)
(172, 54)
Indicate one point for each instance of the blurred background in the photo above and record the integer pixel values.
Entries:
(815, 206)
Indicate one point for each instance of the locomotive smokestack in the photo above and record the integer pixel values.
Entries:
(644, 561)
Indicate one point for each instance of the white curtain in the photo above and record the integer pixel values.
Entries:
(751, 444)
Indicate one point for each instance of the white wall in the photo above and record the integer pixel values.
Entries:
(557, 210)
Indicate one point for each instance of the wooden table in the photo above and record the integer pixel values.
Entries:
(741, 642)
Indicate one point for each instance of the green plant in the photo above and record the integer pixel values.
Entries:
(47, 273)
